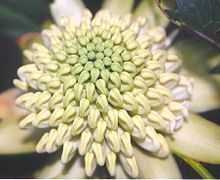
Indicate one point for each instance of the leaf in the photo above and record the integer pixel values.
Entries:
(200, 16)
(214, 64)
(18, 17)
(15, 24)
(36, 10)
(198, 167)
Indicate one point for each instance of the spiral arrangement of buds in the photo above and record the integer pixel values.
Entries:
(101, 87)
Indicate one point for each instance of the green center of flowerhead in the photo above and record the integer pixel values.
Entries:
(102, 87)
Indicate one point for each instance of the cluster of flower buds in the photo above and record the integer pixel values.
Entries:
(102, 87)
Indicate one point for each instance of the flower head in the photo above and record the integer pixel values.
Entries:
(101, 87)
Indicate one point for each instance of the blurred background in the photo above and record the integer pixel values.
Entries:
(20, 23)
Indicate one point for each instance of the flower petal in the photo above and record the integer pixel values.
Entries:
(118, 7)
(51, 170)
(151, 11)
(120, 173)
(205, 95)
(205, 91)
(56, 169)
(198, 139)
(12, 139)
(60, 8)
(153, 167)
(74, 169)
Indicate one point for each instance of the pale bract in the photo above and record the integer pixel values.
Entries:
(101, 87)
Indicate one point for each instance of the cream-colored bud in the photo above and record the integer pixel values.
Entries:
(112, 120)
(68, 82)
(99, 153)
(90, 92)
(69, 113)
(69, 149)
(85, 142)
(51, 145)
(151, 142)
(20, 84)
(139, 82)
(170, 80)
(126, 78)
(115, 79)
(111, 162)
(63, 134)
(90, 163)
(93, 117)
(99, 132)
(143, 104)
(125, 144)
(101, 86)
(41, 145)
(41, 118)
(130, 165)
(155, 98)
(115, 98)
(83, 107)
(78, 90)
(56, 117)
(158, 122)
(125, 120)
(139, 130)
(164, 149)
(130, 103)
(112, 140)
(56, 99)
(68, 97)
(27, 121)
(78, 126)
(102, 103)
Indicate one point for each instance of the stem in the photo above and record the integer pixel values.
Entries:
(197, 166)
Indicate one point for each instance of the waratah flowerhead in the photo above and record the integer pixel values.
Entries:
(100, 88)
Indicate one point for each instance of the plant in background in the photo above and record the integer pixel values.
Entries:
(109, 92)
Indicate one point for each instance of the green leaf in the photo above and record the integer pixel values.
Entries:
(36, 10)
(198, 167)
(15, 24)
(18, 17)
(214, 64)
(200, 16)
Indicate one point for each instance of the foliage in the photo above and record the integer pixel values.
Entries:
(200, 16)
(18, 17)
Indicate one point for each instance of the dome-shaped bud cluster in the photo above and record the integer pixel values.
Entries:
(101, 88)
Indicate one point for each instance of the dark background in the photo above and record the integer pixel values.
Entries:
(21, 166)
